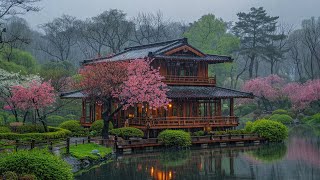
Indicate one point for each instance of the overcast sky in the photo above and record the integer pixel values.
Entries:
(290, 11)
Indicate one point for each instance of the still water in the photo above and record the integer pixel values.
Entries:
(298, 158)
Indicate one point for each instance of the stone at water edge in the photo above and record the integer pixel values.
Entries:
(95, 151)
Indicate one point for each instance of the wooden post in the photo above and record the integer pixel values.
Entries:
(17, 145)
(231, 107)
(82, 141)
(33, 142)
(51, 146)
(76, 143)
(68, 146)
(89, 139)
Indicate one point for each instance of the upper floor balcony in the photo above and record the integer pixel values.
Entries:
(190, 80)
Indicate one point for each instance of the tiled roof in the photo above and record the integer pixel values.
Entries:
(201, 92)
(157, 50)
(190, 92)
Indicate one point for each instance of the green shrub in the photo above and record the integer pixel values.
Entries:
(283, 118)
(71, 116)
(127, 132)
(11, 119)
(9, 175)
(29, 128)
(300, 116)
(271, 130)
(98, 125)
(309, 111)
(238, 131)
(306, 119)
(2, 121)
(280, 111)
(177, 138)
(4, 114)
(4, 129)
(55, 120)
(249, 126)
(198, 133)
(74, 126)
(40, 163)
(54, 133)
(219, 132)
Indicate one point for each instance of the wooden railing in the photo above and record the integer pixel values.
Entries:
(189, 80)
(180, 122)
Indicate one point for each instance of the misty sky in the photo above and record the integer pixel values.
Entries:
(291, 12)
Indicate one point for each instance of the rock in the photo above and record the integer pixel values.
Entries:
(95, 151)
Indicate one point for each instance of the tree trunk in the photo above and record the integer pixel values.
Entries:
(42, 121)
(25, 117)
(252, 58)
(271, 66)
(256, 68)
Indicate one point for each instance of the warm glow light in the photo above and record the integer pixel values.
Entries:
(151, 171)
(131, 115)
(170, 105)
(170, 175)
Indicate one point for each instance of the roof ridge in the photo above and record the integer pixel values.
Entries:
(234, 90)
(155, 44)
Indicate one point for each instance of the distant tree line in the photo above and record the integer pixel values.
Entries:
(259, 44)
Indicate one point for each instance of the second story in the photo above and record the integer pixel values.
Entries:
(179, 62)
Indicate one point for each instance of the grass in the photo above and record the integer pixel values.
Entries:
(83, 151)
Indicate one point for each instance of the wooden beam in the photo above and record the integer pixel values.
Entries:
(185, 47)
(231, 107)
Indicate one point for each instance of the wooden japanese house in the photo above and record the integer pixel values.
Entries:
(197, 102)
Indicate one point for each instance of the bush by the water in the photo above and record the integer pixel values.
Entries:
(98, 125)
(176, 138)
(312, 120)
(271, 130)
(74, 126)
(127, 132)
(54, 133)
(283, 118)
(39, 163)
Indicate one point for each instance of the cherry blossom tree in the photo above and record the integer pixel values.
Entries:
(7, 81)
(266, 89)
(302, 95)
(125, 83)
(34, 96)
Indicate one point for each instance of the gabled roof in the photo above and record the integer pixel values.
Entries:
(186, 92)
(162, 51)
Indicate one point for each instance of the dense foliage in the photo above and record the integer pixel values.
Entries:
(40, 163)
(74, 126)
(176, 138)
(283, 118)
(54, 133)
(96, 127)
(127, 132)
(271, 130)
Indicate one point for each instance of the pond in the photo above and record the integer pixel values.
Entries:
(298, 158)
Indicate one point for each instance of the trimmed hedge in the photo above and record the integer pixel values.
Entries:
(29, 128)
(176, 138)
(97, 126)
(127, 132)
(271, 130)
(55, 120)
(283, 118)
(74, 126)
(4, 129)
(39, 163)
(54, 133)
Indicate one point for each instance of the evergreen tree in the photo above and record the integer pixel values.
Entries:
(256, 30)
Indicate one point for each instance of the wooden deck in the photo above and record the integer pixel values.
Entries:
(189, 80)
(213, 139)
(184, 122)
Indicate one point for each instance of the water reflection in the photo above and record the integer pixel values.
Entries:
(299, 158)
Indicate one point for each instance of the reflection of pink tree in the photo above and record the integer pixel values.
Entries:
(125, 82)
(34, 96)
(267, 89)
